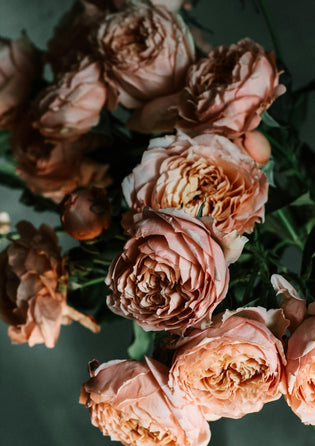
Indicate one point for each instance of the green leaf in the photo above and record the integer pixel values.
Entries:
(304, 200)
(308, 255)
(269, 120)
(268, 169)
(141, 343)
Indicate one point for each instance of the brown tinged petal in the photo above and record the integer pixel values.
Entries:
(131, 402)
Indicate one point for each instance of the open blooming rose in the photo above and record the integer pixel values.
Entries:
(146, 51)
(229, 90)
(131, 402)
(235, 366)
(172, 272)
(300, 369)
(20, 65)
(209, 171)
(54, 169)
(72, 106)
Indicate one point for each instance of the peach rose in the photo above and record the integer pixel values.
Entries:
(20, 65)
(229, 90)
(256, 145)
(56, 169)
(72, 106)
(300, 369)
(131, 402)
(235, 366)
(33, 286)
(146, 51)
(172, 272)
(209, 171)
(86, 213)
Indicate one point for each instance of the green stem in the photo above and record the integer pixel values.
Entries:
(290, 229)
(102, 262)
(270, 28)
(92, 282)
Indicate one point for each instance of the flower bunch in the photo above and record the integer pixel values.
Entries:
(165, 166)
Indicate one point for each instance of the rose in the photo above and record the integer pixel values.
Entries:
(229, 90)
(33, 286)
(56, 169)
(146, 51)
(300, 369)
(207, 172)
(256, 145)
(235, 366)
(20, 65)
(72, 106)
(172, 272)
(171, 5)
(130, 401)
(86, 213)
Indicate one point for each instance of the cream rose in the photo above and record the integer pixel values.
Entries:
(172, 272)
(131, 402)
(208, 171)
(229, 90)
(235, 366)
(146, 51)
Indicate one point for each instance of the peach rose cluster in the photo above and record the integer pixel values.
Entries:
(131, 402)
(173, 270)
(207, 172)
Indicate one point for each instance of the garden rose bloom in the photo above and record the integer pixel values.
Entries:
(235, 366)
(20, 65)
(130, 401)
(56, 169)
(208, 171)
(300, 369)
(172, 272)
(72, 106)
(33, 286)
(86, 213)
(146, 51)
(229, 90)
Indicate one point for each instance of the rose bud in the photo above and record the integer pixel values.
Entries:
(131, 402)
(54, 169)
(256, 145)
(207, 172)
(173, 270)
(33, 288)
(228, 91)
(72, 106)
(300, 369)
(20, 66)
(235, 366)
(146, 51)
(86, 213)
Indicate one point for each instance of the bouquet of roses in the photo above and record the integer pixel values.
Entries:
(185, 186)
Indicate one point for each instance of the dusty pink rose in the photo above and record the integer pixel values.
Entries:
(72, 106)
(172, 272)
(235, 366)
(146, 51)
(256, 145)
(86, 213)
(229, 90)
(56, 169)
(209, 171)
(33, 286)
(20, 65)
(131, 402)
(300, 369)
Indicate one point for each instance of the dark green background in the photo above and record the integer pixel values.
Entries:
(40, 387)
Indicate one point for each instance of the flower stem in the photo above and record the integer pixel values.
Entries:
(290, 229)
(273, 36)
(92, 282)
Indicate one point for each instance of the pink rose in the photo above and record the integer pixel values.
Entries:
(208, 171)
(229, 90)
(300, 369)
(20, 65)
(172, 272)
(235, 366)
(131, 402)
(72, 106)
(256, 145)
(56, 169)
(146, 51)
